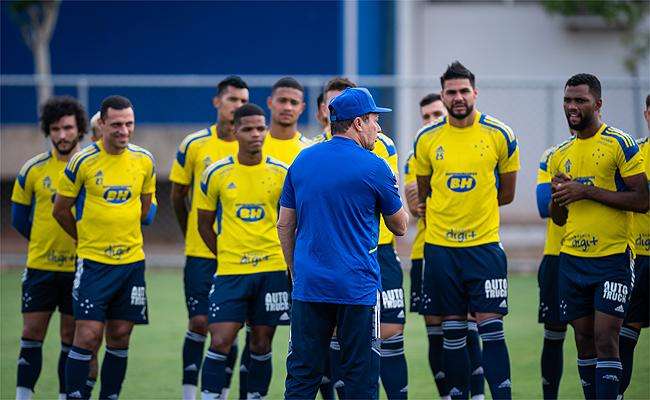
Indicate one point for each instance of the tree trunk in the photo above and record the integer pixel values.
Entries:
(43, 71)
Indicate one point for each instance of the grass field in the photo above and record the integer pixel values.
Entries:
(154, 357)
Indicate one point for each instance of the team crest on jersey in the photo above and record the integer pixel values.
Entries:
(207, 161)
(47, 182)
(232, 185)
(117, 194)
(250, 212)
(440, 153)
(567, 166)
(461, 182)
(99, 178)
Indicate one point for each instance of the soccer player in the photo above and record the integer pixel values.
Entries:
(251, 280)
(286, 103)
(110, 185)
(195, 153)
(322, 119)
(466, 165)
(394, 374)
(639, 311)
(47, 280)
(598, 176)
(547, 279)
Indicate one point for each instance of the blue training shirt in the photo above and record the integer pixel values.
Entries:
(338, 190)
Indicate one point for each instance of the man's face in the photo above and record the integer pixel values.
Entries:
(368, 131)
(250, 133)
(320, 117)
(459, 97)
(286, 105)
(228, 101)
(432, 112)
(646, 115)
(329, 95)
(580, 106)
(64, 134)
(117, 127)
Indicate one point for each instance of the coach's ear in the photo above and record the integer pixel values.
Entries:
(216, 101)
(269, 101)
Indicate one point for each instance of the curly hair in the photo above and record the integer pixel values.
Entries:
(58, 107)
(586, 79)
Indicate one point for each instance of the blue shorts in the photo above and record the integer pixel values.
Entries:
(392, 294)
(103, 292)
(416, 285)
(47, 290)
(639, 311)
(594, 283)
(549, 296)
(197, 280)
(260, 299)
(461, 279)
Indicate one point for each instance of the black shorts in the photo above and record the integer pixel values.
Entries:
(639, 311)
(197, 280)
(47, 291)
(416, 285)
(549, 296)
(392, 294)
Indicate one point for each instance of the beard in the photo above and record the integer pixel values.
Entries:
(64, 151)
(585, 121)
(456, 115)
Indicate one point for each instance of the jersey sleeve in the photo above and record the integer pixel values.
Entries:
(183, 164)
(149, 184)
(409, 175)
(508, 151)
(71, 178)
(386, 188)
(209, 193)
(23, 188)
(543, 190)
(421, 154)
(288, 197)
(629, 159)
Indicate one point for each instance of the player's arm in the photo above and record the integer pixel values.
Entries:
(62, 213)
(397, 222)
(412, 199)
(206, 220)
(287, 234)
(146, 199)
(390, 204)
(423, 190)
(506, 191)
(20, 218)
(179, 203)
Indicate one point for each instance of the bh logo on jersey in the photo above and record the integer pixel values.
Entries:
(117, 194)
(138, 296)
(250, 212)
(615, 291)
(393, 298)
(278, 301)
(495, 288)
(461, 182)
(586, 180)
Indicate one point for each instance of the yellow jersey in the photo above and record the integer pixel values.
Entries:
(464, 165)
(554, 233)
(285, 150)
(108, 207)
(641, 226)
(195, 153)
(417, 250)
(248, 196)
(384, 148)
(50, 248)
(601, 161)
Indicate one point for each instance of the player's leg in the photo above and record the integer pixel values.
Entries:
(260, 366)
(312, 325)
(243, 365)
(637, 317)
(37, 306)
(583, 329)
(87, 337)
(554, 330)
(358, 333)
(334, 356)
(477, 380)
(66, 331)
(197, 279)
(487, 282)
(393, 368)
(434, 335)
(113, 372)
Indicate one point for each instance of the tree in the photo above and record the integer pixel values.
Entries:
(626, 15)
(37, 20)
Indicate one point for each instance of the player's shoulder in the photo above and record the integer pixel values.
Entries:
(619, 138)
(495, 126)
(33, 163)
(547, 154)
(643, 143)
(89, 152)
(194, 139)
(219, 166)
(276, 164)
(386, 144)
(140, 152)
(408, 165)
(431, 129)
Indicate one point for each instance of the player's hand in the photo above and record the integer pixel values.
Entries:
(557, 180)
(422, 210)
(569, 192)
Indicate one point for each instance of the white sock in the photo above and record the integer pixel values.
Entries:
(189, 392)
(62, 396)
(23, 393)
(447, 397)
(478, 397)
(224, 393)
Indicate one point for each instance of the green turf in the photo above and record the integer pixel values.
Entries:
(154, 356)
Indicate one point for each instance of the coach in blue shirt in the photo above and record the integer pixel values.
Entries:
(328, 228)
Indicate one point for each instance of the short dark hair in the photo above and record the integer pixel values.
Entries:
(116, 103)
(647, 101)
(247, 110)
(232, 80)
(287, 82)
(586, 79)
(58, 107)
(430, 98)
(337, 127)
(338, 83)
(320, 99)
(457, 71)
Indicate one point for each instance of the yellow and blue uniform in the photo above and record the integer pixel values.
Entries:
(47, 281)
(417, 249)
(462, 214)
(285, 150)
(195, 153)
(392, 295)
(594, 257)
(547, 275)
(639, 311)
(251, 267)
(107, 188)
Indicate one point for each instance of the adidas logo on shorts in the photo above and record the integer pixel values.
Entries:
(504, 304)
(401, 314)
(620, 308)
(284, 317)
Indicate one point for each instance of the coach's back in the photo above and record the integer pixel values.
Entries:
(338, 189)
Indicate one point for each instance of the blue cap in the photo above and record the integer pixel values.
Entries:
(352, 103)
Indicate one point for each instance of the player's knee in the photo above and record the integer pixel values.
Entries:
(199, 324)
(118, 334)
(87, 337)
(260, 344)
(555, 327)
(390, 330)
(34, 330)
(220, 343)
(606, 344)
(585, 344)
